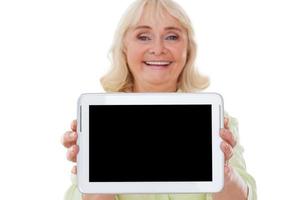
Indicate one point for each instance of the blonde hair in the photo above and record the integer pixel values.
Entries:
(120, 79)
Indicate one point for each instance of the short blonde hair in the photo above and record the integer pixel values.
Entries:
(120, 79)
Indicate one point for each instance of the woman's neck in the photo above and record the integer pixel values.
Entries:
(155, 88)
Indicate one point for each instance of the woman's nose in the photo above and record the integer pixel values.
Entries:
(158, 48)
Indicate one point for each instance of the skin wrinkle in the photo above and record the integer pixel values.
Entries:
(164, 41)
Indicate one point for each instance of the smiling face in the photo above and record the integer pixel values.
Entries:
(156, 53)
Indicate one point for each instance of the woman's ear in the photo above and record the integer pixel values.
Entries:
(124, 49)
(124, 52)
(124, 45)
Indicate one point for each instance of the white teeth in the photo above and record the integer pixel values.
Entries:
(163, 63)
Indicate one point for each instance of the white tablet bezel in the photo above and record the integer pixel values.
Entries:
(149, 99)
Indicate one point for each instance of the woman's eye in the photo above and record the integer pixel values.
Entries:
(143, 38)
(172, 37)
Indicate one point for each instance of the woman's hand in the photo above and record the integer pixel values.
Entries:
(69, 140)
(234, 187)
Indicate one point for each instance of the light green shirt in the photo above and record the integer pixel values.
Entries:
(237, 162)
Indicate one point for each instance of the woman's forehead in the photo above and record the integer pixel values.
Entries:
(157, 19)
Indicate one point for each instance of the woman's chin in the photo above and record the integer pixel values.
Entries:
(157, 80)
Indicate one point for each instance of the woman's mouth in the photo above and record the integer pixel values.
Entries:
(157, 64)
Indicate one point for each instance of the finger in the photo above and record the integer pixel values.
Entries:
(72, 153)
(228, 137)
(74, 170)
(228, 151)
(69, 138)
(228, 173)
(226, 122)
(74, 125)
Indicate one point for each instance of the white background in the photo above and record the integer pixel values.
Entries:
(52, 51)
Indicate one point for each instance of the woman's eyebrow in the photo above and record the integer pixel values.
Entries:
(172, 28)
(142, 27)
(168, 28)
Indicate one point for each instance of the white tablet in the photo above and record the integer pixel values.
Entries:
(150, 143)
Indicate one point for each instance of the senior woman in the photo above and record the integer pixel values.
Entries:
(154, 51)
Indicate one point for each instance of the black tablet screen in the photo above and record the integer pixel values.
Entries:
(147, 143)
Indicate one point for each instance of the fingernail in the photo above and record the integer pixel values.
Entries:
(225, 147)
(226, 132)
(227, 169)
(72, 149)
(227, 123)
(72, 135)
